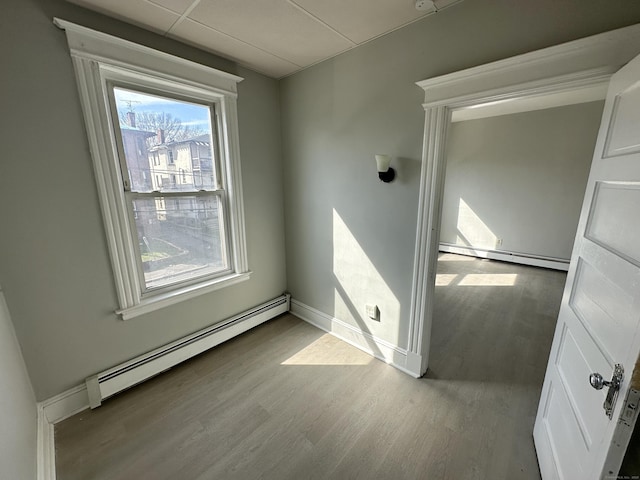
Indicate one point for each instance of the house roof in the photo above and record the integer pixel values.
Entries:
(125, 127)
(203, 140)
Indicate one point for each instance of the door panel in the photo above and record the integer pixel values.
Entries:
(614, 205)
(622, 139)
(603, 307)
(565, 441)
(598, 323)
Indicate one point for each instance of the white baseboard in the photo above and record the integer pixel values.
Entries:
(520, 258)
(66, 404)
(50, 412)
(376, 347)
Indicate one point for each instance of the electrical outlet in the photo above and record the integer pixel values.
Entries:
(498, 242)
(373, 312)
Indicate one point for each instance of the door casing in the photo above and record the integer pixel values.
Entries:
(580, 64)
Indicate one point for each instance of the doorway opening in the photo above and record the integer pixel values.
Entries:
(512, 194)
(571, 67)
(513, 189)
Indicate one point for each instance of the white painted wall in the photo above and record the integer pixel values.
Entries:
(18, 441)
(519, 178)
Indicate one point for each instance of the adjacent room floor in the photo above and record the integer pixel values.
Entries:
(287, 401)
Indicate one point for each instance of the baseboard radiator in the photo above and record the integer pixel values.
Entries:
(116, 379)
(505, 256)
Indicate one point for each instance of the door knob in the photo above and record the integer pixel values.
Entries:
(597, 382)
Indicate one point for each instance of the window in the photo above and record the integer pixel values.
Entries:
(171, 247)
(168, 242)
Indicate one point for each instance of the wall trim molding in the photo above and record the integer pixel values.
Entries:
(505, 256)
(101, 61)
(374, 346)
(66, 404)
(577, 64)
(46, 454)
(50, 412)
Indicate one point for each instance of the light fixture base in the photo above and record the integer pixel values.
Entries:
(425, 5)
(387, 176)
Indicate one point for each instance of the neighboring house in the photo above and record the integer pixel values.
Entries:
(184, 165)
(134, 142)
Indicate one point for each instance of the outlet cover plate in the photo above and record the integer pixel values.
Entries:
(373, 312)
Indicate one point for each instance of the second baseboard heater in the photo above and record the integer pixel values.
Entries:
(112, 381)
(504, 256)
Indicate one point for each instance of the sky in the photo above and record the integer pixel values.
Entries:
(189, 113)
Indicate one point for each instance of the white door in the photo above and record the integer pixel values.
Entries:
(600, 312)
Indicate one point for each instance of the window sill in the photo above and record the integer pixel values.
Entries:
(157, 302)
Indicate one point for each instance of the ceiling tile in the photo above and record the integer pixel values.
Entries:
(221, 44)
(139, 12)
(361, 20)
(178, 6)
(276, 26)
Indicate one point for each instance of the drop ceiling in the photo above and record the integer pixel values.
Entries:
(274, 37)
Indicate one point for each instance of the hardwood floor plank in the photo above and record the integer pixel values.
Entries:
(287, 401)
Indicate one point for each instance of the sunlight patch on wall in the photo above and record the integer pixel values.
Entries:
(472, 230)
(359, 283)
(328, 350)
(489, 279)
(444, 279)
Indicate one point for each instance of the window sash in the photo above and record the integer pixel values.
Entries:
(225, 249)
(215, 122)
(98, 59)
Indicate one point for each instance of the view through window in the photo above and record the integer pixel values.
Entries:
(170, 168)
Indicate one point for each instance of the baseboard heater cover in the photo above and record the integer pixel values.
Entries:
(130, 373)
(505, 256)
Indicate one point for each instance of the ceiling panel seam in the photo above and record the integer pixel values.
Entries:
(238, 40)
(321, 22)
(184, 15)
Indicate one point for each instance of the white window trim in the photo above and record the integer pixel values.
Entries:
(97, 57)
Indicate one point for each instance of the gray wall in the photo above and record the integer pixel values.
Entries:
(339, 113)
(18, 443)
(519, 178)
(54, 264)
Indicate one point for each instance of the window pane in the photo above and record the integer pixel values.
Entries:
(167, 143)
(180, 238)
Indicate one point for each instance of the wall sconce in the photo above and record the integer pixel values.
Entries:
(385, 172)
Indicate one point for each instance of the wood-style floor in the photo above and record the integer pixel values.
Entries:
(287, 401)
